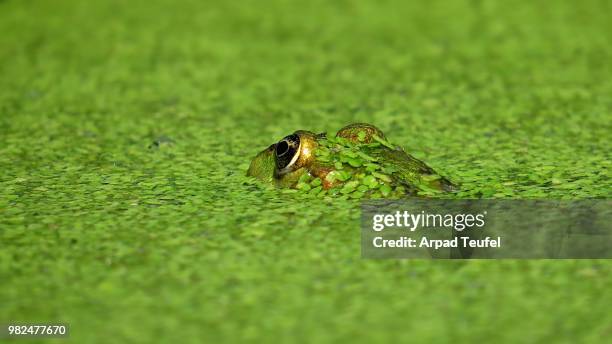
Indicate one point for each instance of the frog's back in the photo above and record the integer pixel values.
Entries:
(413, 172)
(410, 172)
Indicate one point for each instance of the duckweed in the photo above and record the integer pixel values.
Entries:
(173, 243)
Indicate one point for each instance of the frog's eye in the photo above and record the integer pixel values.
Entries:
(287, 152)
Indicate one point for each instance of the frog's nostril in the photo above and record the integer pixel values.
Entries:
(282, 148)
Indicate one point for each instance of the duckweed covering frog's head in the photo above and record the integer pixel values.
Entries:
(357, 162)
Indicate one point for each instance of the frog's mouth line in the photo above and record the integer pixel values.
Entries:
(287, 152)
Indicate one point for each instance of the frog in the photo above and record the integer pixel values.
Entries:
(358, 161)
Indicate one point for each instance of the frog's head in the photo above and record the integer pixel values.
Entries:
(283, 163)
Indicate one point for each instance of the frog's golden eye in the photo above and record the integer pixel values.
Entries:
(287, 152)
(295, 151)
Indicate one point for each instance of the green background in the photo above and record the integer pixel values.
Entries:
(132, 243)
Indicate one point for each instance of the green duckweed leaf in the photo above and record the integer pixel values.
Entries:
(370, 181)
(382, 177)
(385, 190)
